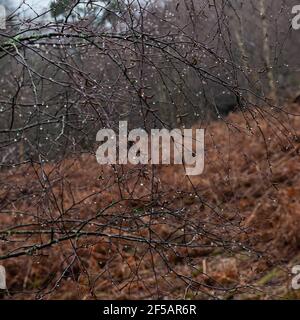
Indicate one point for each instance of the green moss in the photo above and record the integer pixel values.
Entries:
(217, 252)
(276, 273)
(197, 271)
(292, 295)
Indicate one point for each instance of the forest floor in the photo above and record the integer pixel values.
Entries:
(231, 233)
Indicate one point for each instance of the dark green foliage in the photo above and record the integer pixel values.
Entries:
(104, 11)
(59, 7)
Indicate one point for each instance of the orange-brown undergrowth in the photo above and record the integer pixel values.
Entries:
(76, 230)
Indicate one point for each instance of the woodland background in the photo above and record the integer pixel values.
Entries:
(71, 229)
